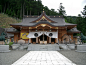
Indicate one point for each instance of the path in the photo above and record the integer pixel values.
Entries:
(43, 58)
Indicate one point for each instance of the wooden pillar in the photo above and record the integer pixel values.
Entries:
(29, 40)
(49, 39)
(57, 37)
(56, 40)
(15, 38)
(10, 39)
(37, 40)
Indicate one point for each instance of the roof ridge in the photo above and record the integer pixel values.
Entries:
(43, 15)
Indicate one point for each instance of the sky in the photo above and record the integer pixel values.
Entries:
(72, 7)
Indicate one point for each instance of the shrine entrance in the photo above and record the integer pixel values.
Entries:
(43, 39)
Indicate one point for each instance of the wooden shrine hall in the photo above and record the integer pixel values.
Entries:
(43, 29)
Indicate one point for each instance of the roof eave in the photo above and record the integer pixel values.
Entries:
(74, 32)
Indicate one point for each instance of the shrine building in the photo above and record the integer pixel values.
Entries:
(43, 29)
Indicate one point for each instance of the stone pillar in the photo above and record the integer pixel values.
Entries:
(29, 40)
(49, 39)
(37, 40)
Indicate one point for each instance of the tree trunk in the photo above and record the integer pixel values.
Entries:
(27, 12)
(38, 13)
(30, 12)
(21, 11)
(4, 7)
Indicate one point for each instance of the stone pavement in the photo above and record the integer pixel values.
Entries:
(43, 58)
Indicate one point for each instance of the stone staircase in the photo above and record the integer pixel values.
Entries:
(38, 47)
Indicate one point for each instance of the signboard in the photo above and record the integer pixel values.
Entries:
(24, 35)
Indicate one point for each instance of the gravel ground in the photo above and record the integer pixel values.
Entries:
(76, 57)
(9, 58)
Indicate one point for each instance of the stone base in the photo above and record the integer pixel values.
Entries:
(71, 46)
(4, 48)
(81, 48)
(63, 47)
(15, 46)
(80, 51)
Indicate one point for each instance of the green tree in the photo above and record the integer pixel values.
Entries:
(84, 11)
(61, 10)
(19, 8)
(84, 20)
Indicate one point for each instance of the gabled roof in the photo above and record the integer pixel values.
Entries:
(43, 19)
(11, 30)
(74, 30)
(43, 16)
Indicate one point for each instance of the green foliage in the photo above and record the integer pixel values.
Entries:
(61, 10)
(79, 20)
(78, 35)
(10, 43)
(5, 20)
(84, 41)
(6, 44)
(0, 8)
(19, 8)
(66, 21)
(71, 19)
(84, 11)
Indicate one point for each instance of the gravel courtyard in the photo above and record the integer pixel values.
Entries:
(9, 58)
(76, 57)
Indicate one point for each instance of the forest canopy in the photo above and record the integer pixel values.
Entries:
(19, 8)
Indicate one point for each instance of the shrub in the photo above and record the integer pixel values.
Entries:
(84, 41)
(10, 43)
